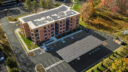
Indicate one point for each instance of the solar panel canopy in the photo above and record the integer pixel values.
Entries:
(79, 48)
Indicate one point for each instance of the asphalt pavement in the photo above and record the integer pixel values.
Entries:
(25, 63)
(3, 67)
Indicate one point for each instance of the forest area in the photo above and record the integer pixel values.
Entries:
(110, 16)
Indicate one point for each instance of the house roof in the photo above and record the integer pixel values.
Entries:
(49, 16)
(79, 48)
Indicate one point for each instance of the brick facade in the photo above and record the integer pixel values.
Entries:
(43, 33)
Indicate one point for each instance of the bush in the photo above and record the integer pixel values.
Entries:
(57, 4)
(11, 63)
(12, 19)
(15, 70)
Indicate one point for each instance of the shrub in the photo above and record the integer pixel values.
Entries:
(12, 18)
(57, 4)
(15, 70)
(11, 63)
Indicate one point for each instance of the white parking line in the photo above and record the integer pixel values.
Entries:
(53, 65)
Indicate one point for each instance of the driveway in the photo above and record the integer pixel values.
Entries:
(25, 64)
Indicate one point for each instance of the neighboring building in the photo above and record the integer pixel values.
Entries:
(44, 25)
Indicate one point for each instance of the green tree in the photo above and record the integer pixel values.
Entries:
(28, 5)
(41, 3)
(34, 5)
(50, 4)
(11, 62)
(1, 1)
(15, 70)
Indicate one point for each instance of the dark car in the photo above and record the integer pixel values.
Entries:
(2, 57)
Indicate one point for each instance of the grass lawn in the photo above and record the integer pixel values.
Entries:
(76, 7)
(28, 42)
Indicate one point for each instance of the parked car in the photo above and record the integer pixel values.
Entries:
(2, 57)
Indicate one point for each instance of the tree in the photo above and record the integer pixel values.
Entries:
(87, 10)
(41, 3)
(1, 1)
(120, 65)
(11, 62)
(50, 4)
(28, 4)
(46, 4)
(15, 70)
(34, 5)
(123, 5)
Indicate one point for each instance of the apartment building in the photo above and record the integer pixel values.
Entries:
(41, 26)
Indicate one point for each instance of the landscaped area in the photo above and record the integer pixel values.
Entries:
(28, 42)
(106, 63)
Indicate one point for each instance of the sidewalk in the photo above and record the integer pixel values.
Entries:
(23, 43)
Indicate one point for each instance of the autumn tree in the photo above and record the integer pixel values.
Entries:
(123, 5)
(120, 65)
(87, 10)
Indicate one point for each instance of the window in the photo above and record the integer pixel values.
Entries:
(63, 21)
(48, 26)
(45, 31)
(71, 18)
(44, 27)
(52, 34)
(32, 34)
(60, 28)
(60, 25)
(37, 38)
(36, 35)
(36, 30)
(52, 29)
(60, 21)
(45, 35)
(46, 38)
(51, 25)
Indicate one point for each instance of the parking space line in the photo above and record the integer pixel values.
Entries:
(53, 65)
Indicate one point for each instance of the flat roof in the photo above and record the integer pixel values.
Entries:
(79, 48)
(49, 16)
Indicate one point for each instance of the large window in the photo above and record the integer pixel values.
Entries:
(56, 28)
(36, 30)
(67, 24)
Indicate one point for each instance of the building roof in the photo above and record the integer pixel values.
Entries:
(79, 48)
(49, 16)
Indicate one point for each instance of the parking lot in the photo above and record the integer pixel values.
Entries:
(84, 61)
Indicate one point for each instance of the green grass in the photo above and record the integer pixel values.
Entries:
(76, 7)
(28, 42)
(76, 0)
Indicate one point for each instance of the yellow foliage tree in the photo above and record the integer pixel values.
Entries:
(120, 65)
